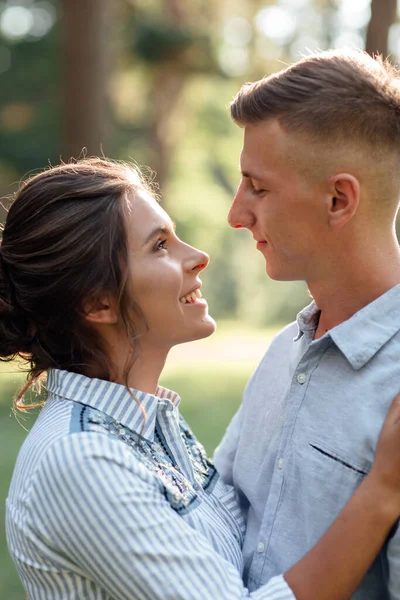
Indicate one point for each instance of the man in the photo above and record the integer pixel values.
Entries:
(319, 192)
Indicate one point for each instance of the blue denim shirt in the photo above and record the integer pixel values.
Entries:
(305, 437)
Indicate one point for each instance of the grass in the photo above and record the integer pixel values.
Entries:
(209, 376)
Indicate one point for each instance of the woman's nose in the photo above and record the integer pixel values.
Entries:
(198, 260)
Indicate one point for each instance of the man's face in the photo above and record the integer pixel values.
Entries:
(278, 201)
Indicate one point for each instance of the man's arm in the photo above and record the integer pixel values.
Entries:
(336, 565)
(338, 562)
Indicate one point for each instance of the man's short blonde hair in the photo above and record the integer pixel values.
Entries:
(342, 103)
(345, 94)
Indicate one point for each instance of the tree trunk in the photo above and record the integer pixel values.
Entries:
(383, 15)
(84, 55)
(168, 83)
(169, 80)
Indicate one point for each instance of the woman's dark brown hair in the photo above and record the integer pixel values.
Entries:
(64, 243)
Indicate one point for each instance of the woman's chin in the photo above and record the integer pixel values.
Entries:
(210, 324)
(204, 330)
(207, 328)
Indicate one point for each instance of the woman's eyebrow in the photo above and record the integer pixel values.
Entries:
(164, 230)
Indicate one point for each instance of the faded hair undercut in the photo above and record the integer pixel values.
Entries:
(334, 94)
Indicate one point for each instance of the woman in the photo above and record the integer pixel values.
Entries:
(112, 496)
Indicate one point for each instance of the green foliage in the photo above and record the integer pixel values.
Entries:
(30, 103)
(200, 144)
(157, 40)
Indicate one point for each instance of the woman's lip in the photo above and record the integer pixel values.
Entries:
(197, 302)
(195, 297)
(261, 245)
(197, 287)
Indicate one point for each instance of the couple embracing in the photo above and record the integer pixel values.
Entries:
(112, 496)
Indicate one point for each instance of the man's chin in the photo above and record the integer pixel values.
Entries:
(280, 274)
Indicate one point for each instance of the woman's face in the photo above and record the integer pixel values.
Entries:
(164, 278)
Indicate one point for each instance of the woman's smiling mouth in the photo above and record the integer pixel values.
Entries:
(191, 297)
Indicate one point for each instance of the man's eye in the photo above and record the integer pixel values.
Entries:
(257, 192)
(161, 245)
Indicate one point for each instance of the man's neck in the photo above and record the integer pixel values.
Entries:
(342, 295)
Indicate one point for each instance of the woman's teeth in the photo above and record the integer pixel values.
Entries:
(192, 297)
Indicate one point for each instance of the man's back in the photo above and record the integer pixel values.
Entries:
(306, 434)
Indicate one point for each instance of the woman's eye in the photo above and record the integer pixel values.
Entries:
(161, 245)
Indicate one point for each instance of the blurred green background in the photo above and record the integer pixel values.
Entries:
(150, 81)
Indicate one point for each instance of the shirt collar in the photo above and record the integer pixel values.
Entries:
(365, 333)
(307, 320)
(113, 399)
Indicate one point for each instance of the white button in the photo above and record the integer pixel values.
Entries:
(260, 547)
(301, 377)
(281, 462)
(196, 486)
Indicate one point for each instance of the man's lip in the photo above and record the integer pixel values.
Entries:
(261, 244)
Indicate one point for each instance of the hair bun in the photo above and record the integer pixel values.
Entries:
(5, 290)
(15, 329)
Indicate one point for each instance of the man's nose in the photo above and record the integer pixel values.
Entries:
(239, 215)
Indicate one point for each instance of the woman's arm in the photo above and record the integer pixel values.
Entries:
(335, 566)
(105, 518)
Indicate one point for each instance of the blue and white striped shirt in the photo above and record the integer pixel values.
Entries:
(103, 504)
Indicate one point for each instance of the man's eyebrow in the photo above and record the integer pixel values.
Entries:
(164, 230)
(250, 175)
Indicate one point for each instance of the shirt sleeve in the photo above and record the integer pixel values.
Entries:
(224, 455)
(393, 555)
(98, 507)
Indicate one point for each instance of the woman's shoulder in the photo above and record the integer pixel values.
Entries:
(93, 439)
(70, 440)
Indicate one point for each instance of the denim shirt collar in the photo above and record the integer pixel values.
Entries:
(114, 400)
(365, 333)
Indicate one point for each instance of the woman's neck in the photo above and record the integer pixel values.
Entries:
(144, 372)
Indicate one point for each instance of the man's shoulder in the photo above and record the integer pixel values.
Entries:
(277, 353)
(289, 330)
(284, 338)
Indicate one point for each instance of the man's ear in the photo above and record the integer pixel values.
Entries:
(102, 310)
(344, 198)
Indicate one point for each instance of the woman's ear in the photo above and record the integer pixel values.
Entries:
(344, 199)
(101, 310)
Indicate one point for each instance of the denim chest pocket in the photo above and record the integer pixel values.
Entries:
(332, 459)
(319, 481)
